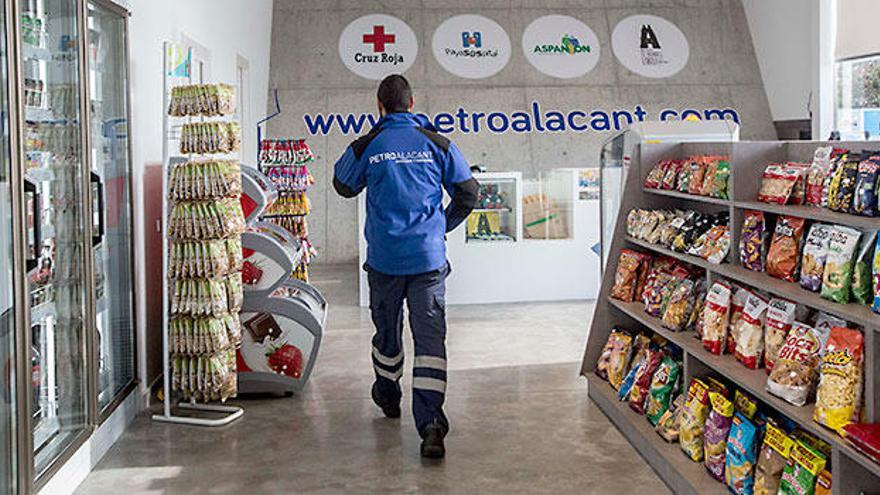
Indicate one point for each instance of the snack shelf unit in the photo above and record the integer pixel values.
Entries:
(217, 415)
(852, 471)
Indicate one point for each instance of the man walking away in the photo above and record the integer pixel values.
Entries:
(405, 165)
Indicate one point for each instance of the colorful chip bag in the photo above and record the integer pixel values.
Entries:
(740, 456)
(753, 241)
(668, 425)
(627, 275)
(780, 316)
(794, 371)
(663, 384)
(777, 183)
(677, 308)
(875, 277)
(815, 254)
(750, 332)
(715, 317)
(862, 282)
(772, 460)
(846, 185)
(784, 254)
(837, 278)
(642, 383)
(614, 355)
(692, 419)
(802, 470)
(715, 434)
(865, 197)
(823, 483)
(839, 393)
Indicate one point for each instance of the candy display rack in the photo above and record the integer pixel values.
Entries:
(285, 162)
(853, 472)
(186, 188)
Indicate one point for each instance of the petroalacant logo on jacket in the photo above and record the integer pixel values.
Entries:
(561, 46)
(377, 45)
(650, 46)
(569, 45)
(471, 46)
(424, 156)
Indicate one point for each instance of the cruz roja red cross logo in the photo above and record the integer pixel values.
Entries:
(379, 39)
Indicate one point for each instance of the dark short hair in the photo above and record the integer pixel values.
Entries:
(395, 93)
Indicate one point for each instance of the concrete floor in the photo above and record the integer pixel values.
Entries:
(521, 420)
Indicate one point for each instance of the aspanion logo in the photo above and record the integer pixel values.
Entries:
(570, 45)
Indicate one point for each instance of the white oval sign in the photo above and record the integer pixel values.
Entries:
(471, 46)
(650, 46)
(376, 45)
(561, 46)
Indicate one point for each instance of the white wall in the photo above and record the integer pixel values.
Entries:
(782, 33)
(227, 28)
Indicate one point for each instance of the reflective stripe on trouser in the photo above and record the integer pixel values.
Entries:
(425, 296)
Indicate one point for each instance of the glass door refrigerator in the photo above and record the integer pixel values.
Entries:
(111, 201)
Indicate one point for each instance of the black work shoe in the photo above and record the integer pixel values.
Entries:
(432, 442)
(389, 409)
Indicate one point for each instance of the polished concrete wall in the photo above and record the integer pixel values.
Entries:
(310, 77)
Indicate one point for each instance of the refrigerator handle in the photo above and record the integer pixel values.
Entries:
(30, 187)
(96, 179)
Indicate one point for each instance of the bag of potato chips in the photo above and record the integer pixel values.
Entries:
(840, 383)
(692, 419)
(838, 267)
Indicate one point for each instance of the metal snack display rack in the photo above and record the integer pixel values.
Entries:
(176, 74)
(853, 472)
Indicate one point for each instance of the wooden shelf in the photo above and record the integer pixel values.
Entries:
(688, 197)
(813, 213)
(676, 469)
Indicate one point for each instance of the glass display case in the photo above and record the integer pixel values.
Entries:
(548, 205)
(497, 216)
(111, 200)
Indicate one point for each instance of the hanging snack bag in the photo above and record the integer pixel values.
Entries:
(642, 383)
(815, 254)
(865, 197)
(837, 278)
(777, 184)
(772, 460)
(679, 305)
(737, 304)
(715, 434)
(839, 393)
(784, 254)
(618, 338)
(693, 419)
(794, 371)
(739, 473)
(626, 277)
(802, 470)
(862, 281)
(780, 316)
(663, 383)
(816, 175)
(668, 425)
(753, 241)
(750, 335)
(846, 185)
(715, 317)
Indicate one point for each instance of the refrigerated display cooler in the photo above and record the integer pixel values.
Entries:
(617, 151)
(66, 303)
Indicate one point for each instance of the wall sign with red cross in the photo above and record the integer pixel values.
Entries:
(379, 39)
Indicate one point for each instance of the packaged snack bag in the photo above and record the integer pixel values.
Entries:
(715, 434)
(668, 425)
(740, 456)
(655, 176)
(698, 171)
(846, 185)
(839, 393)
(838, 267)
(865, 437)
(737, 304)
(626, 277)
(641, 343)
(794, 371)
(753, 245)
(875, 272)
(865, 196)
(772, 460)
(626, 385)
(619, 340)
(715, 317)
(696, 312)
(639, 392)
(823, 483)
(750, 333)
(715, 244)
(780, 316)
(679, 305)
(799, 191)
(784, 254)
(815, 253)
(777, 184)
(862, 283)
(745, 405)
(722, 176)
(824, 323)
(816, 175)
(672, 170)
(664, 382)
(693, 419)
(683, 181)
(804, 466)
